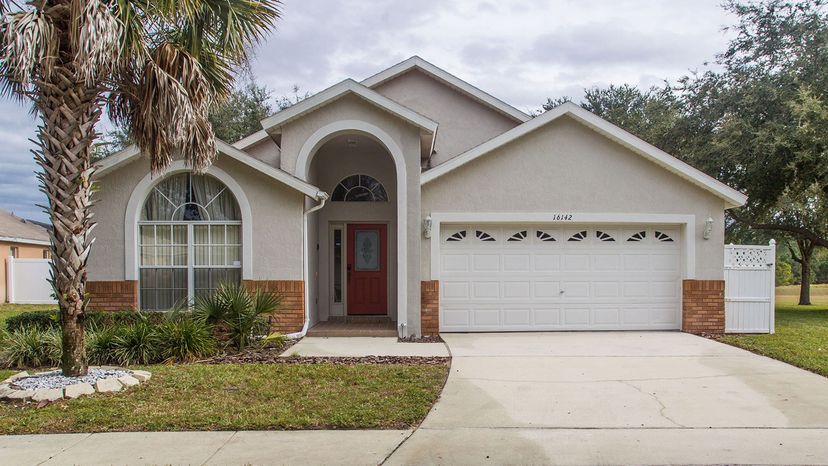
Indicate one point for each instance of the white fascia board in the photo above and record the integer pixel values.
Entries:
(12, 239)
(452, 80)
(732, 197)
(348, 86)
(252, 139)
(125, 156)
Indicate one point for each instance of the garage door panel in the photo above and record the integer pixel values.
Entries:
(486, 290)
(547, 262)
(533, 278)
(517, 262)
(486, 263)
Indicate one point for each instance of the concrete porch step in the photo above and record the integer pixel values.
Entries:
(355, 326)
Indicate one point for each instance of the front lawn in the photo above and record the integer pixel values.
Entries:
(246, 397)
(801, 336)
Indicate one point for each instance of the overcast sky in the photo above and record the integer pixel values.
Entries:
(521, 51)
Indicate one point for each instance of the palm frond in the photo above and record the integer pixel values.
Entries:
(96, 38)
(30, 45)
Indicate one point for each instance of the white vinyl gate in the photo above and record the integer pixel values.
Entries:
(28, 281)
(750, 285)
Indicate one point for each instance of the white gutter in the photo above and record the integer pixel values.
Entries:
(322, 197)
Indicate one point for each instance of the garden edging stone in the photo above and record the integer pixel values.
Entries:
(52, 388)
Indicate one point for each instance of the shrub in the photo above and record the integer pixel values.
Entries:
(45, 320)
(240, 310)
(185, 339)
(100, 346)
(31, 347)
(136, 344)
(41, 320)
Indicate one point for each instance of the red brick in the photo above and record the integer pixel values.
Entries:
(430, 307)
(703, 306)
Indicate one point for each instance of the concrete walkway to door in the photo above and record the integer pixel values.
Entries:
(589, 398)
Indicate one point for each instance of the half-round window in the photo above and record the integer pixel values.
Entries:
(189, 240)
(359, 188)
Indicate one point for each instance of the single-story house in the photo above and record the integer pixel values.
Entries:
(20, 239)
(416, 197)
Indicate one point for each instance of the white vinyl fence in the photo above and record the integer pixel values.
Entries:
(28, 281)
(750, 285)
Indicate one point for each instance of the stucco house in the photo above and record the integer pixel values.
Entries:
(418, 198)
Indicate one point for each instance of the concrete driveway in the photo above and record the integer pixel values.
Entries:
(650, 397)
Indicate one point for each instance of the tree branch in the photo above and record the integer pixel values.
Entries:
(805, 233)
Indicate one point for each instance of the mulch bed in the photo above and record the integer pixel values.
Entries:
(266, 356)
(413, 339)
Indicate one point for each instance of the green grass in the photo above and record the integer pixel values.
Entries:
(246, 397)
(9, 310)
(801, 336)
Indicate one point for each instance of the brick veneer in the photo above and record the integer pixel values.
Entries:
(291, 315)
(112, 295)
(430, 307)
(703, 307)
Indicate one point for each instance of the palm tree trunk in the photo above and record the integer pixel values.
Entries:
(69, 110)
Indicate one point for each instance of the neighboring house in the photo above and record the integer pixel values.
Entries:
(21, 239)
(414, 195)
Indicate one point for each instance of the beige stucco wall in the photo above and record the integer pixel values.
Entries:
(407, 137)
(267, 151)
(329, 167)
(276, 223)
(464, 122)
(24, 251)
(566, 167)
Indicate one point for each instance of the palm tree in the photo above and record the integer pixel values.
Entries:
(156, 68)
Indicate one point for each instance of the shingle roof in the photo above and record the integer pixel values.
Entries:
(13, 227)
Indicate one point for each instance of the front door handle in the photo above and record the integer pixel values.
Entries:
(349, 273)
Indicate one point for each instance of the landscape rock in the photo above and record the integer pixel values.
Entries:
(128, 381)
(142, 376)
(5, 389)
(48, 394)
(20, 395)
(108, 386)
(79, 389)
(19, 375)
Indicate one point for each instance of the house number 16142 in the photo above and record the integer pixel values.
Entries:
(562, 217)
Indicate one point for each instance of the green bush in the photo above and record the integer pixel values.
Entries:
(31, 347)
(45, 320)
(240, 310)
(100, 346)
(137, 344)
(41, 320)
(185, 339)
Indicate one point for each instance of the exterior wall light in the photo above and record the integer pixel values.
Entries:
(708, 228)
(427, 227)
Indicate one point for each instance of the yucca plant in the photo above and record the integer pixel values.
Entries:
(156, 67)
(240, 309)
(137, 344)
(100, 345)
(31, 347)
(185, 339)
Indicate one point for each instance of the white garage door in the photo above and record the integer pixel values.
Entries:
(534, 277)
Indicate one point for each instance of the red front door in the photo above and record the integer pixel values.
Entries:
(367, 269)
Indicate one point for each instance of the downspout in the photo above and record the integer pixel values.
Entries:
(321, 197)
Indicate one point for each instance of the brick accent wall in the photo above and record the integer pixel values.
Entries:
(703, 307)
(430, 308)
(112, 295)
(291, 316)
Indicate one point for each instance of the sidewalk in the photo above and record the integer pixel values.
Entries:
(202, 448)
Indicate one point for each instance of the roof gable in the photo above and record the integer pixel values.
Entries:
(732, 197)
(115, 161)
(449, 79)
(336, 92)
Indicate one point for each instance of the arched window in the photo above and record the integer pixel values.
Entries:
(359, 188)
(189, 240)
